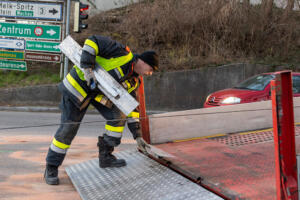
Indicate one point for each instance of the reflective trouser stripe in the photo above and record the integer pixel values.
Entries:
(114, 134)
(57, 150)
(101, 99)
(60, 144)
(73, 90)
(59, 147)
(93, 45)
(76, 85)
(134, 114)
(133, 117)
(114, 131)
(132, 120)
(118, 129)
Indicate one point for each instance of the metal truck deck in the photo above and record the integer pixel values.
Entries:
(236, 166)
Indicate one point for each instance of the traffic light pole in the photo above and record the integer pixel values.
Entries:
(66, 34)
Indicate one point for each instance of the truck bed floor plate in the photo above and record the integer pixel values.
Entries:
(142, 178)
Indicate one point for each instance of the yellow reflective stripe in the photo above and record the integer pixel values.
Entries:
(133, 88)
(99, 97)
(118, 129)
(128, 84)
(134, 115)
(121, 71)
(79, 73)
(74, 83)
(92, 44)
(60, 145)
(109, 64)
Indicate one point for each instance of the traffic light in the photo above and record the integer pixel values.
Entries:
(79, 15)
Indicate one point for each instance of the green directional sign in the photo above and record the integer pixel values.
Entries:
(42, 46)
(50, 32)
(16, 55)
(13, 65)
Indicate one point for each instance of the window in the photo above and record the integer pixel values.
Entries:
(258, 82)
(296, 84)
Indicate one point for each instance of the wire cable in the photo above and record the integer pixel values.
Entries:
(149, 117)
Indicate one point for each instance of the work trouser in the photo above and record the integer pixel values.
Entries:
(71, 117)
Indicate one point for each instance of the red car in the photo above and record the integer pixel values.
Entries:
(256, 88)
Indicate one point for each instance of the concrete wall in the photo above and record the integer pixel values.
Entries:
(44, 95)
(188, 89)
(164, 91)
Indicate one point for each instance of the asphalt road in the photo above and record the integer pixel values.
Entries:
(47, 124)
(23, 152)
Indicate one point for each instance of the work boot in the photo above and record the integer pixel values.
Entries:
(51, 175)
(106, 159)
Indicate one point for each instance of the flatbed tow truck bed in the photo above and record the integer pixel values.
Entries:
(236, 166)
(258, 165)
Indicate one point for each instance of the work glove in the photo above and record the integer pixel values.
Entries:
(90, 77)
(142, 145)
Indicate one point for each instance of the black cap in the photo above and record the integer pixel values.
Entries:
(151, 58)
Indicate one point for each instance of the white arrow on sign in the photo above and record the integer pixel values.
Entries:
(56, 58)
(51, 32)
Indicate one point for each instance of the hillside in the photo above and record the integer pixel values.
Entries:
(195, 33)
(188, 34)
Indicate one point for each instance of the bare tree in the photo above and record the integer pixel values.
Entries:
(267, 6)
(289, 8)
(246, 2)
(290, 5)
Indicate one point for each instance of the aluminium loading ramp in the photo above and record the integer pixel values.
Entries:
(142, 178)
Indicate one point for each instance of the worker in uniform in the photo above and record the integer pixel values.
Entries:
(77, 93)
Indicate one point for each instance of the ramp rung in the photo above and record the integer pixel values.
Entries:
(142, 178)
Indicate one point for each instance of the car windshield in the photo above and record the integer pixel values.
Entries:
(258, 82)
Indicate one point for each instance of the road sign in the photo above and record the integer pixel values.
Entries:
(50, 32)
(35, 10)
(6, 43)
(13, 65)
(15, 55)
(42, 46)
(43, 57)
